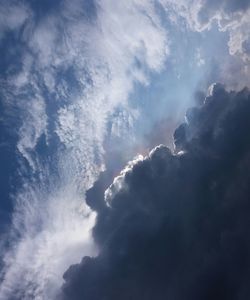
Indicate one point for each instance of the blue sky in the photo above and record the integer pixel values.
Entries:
(76, 76)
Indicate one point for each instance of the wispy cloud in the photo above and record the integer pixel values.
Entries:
(229, 17)
(12, 16)
(76, 68)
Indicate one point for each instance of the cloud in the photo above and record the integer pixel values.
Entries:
(13, 15)
(177, 225)
(88, 65)
(69, 86)
(77, 63)
(46, 245)
(228, 20)
(230, 16)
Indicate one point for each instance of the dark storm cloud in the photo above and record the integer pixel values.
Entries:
(177, 225)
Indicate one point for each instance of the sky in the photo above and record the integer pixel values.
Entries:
(88, 92)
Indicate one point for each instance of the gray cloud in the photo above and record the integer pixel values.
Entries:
(177, 225)
(74, 71)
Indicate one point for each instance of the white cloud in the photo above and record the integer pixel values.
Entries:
(12, 15)
(77, 69)
(119, 181)
(55, 231)
(208, 19)
(33, 127)
(85, 68)
(202, 14)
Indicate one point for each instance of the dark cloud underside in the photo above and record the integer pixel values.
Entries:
(178, 227)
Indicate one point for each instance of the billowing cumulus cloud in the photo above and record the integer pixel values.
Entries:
(84, 86)
(176, 225)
